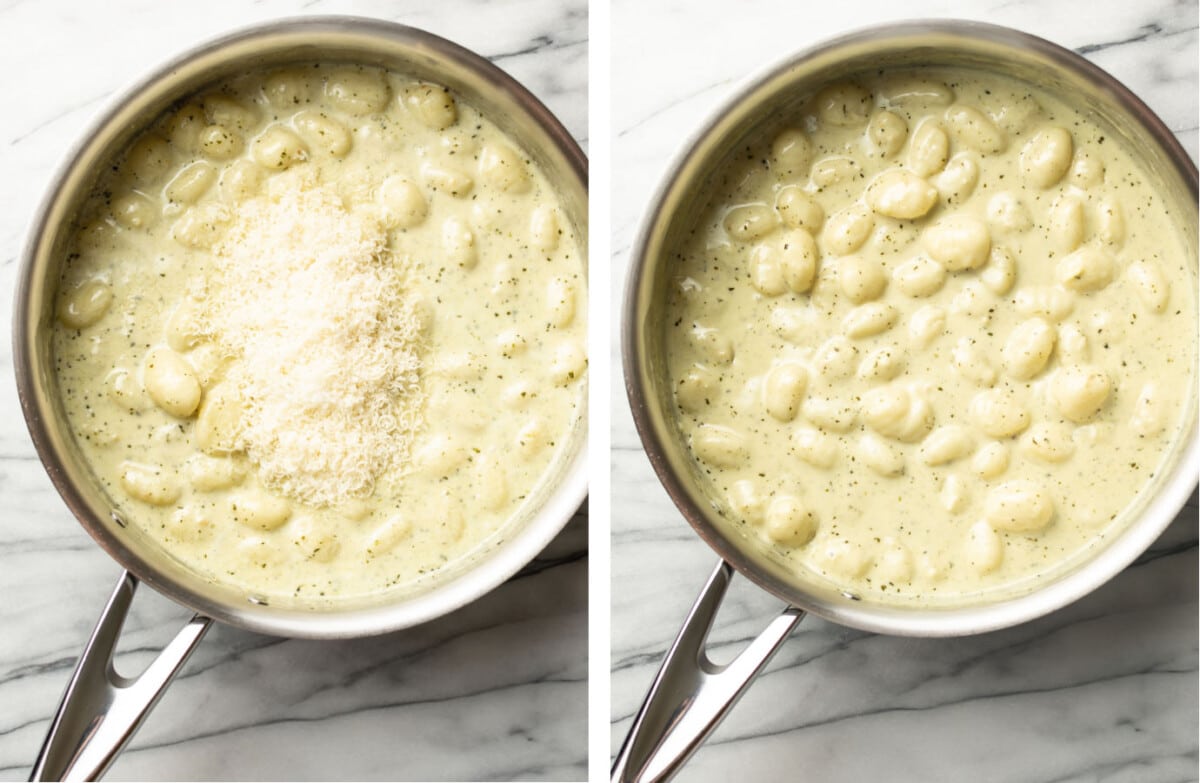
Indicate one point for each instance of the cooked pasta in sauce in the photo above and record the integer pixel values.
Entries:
(931, 336)
(322, 332)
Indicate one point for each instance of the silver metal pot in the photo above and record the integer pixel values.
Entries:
(691, 695)
(101, 710)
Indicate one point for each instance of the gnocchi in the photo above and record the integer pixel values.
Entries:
(788, 521)
(901, 194)
(843, 104)
(1018, 506)
(404, 205)
(929, 149)
(959, 242)
(150, 484)
(1086, 270)
(1079, 391)
(983, 548)
(207, 474)
(954, 496)
(324, 133)
(1066, 223)
(920, 276)
(798, 260)
(881, 364)
(433, 105)
(259, 510)
(879, 456)
(191, 183)
(694, 389)
(134, 210)
(887, 132)
(85, 304)
(766, 272)
(279, 148)
(870, 319)
(1149, 411)
(1046, 157)
(957, 181)
(847, 230)
(1000, 274)
(148, 159)
(285, 89)
(723, 447)
(971, 363)
(815, 447)
(312, 542)
(501, 167)
(1149, 284)
(544, 230)
(861, 279)
(926, 325)
(170, 382)
(946, 444)
(1028, 348)
(797, 209)
(1110, 222)
(220, 143)
(835, 358)
(446, 179)
(239, 180)
(750, 221)
(560, 301)
(998, 413)
(745, 498)
(830, 413)
(458, 243)
(792, 152)
(357, 91)
(897, 412)
(784, 389)
(388, 536)
(974, 129)
(1048, 442)
(835, 170)
(1006, 213)
(991, 460)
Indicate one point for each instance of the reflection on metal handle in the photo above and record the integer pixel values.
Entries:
(102, 710)
(691, 695)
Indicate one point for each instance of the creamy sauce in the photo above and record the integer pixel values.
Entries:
(932, 337)
(477, 257)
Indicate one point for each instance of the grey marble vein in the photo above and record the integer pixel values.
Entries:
(1102, 690)
(494, 691)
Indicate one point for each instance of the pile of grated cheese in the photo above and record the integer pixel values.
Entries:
(324, 342)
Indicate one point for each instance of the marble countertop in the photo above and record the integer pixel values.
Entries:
(495, 691)
(1105, 689)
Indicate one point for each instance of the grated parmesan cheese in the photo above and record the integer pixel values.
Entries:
(314, 312)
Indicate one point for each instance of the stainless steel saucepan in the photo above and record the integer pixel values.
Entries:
(690, 694)
(101, 710)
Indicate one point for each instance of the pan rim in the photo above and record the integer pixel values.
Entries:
(897, 619)
(481, 574)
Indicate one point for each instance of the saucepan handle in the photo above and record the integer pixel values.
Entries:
(691, 695)
(101, 710)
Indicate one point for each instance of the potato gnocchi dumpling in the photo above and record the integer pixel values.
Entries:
(205, 442)
(927, 314)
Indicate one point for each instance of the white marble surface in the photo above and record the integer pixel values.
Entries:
(1105, 690)
(494, 691)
